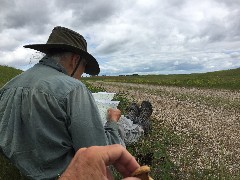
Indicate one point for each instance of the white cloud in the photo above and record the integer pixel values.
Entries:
(19, 58)
(157, 36)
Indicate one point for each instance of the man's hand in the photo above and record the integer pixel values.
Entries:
(113, 114)
(91, 163)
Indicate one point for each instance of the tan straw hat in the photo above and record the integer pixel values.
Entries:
(65, 39)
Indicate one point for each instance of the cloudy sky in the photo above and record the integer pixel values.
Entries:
(129, 36)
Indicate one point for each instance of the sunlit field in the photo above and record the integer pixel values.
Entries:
(227, 79)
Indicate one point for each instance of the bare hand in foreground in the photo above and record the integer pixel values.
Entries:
(91, 163)
(114, 114)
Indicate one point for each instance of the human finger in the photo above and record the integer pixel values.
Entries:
(118, 156)
(114, 114)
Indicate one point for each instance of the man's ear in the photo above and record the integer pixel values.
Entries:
(73, 60)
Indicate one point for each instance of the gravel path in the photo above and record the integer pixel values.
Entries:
(209, 121)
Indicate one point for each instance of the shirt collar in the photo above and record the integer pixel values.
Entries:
(52, 63)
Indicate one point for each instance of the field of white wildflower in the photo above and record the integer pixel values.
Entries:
(207, 122)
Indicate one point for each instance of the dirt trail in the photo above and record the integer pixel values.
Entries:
(210, 119)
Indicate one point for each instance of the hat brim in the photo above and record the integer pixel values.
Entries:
(92, 67)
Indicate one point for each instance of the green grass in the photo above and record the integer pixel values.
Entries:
(162, 138)
(227, 79)
(8, 171)
(7, 73)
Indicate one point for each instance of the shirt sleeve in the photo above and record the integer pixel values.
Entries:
(85, 126)
(111, 131)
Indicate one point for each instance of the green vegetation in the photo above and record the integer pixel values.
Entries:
(9, 171)
(160, 142)
(162, 138)
(226, 79)
(7, 73)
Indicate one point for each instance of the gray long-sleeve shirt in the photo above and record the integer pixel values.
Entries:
(45, 117)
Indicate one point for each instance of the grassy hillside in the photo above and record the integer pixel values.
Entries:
(226, 79)
(7, 73)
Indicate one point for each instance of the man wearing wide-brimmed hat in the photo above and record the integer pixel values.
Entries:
(47, 114)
